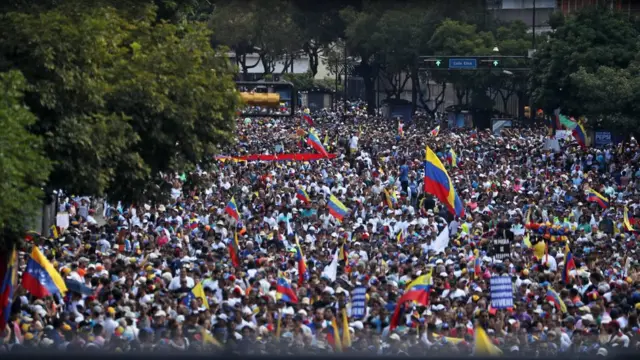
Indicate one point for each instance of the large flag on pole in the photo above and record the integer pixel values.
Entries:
(438, 183)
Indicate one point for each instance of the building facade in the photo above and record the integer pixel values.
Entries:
(632, 7)
(529, 11)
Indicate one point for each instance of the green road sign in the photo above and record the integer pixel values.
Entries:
(438, 62)
(495, 62)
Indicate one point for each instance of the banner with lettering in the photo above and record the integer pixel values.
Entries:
(501, 292)
(276, 157)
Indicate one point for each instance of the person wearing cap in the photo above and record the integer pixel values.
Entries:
(171, 275)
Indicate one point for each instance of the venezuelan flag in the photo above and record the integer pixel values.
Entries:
(232, 209)
(580, 135)
(302, 195)
(568, 265)
(400, 237)
(9, 282)
(417, 291)
(234, 250)
(333, 336)
(337, 208)
(596, 197)
(452, 158)
(314, 142)
(208, 339)
(437, 182)
(627, 223)
(40, 278)
(196, 293)
(390, 199)
(308, 119)
(303, 272)
(285, 292)
(477, 264)
(31, 236)
(343, 255)
(447, 339)
(53, 232)
(554, 298)
(435, 131)
(346, 335)
(483, 345)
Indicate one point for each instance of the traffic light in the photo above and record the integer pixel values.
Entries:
(271, 100)
(540, 114)
(436, 63)
(491, 63)
(527, 112)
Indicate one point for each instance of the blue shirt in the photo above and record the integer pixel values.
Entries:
(404, 173)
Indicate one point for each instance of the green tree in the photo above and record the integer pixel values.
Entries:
(455, 38)
(265, 28)
(24, 167)
(181, 99)
(612, 97)
(512, 39)
(361, 25)
(120, 99)
(398, 35)
(320, 25)
(65, 56)
(590, 39)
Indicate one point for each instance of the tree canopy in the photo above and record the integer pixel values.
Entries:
(24, 168)
(593, 38)
(119, 98)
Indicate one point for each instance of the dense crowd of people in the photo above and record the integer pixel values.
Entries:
(141, 272)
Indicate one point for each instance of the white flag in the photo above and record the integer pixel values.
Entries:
(442, 241)
(331, 270)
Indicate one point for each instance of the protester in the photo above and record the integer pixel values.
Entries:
(170, 277)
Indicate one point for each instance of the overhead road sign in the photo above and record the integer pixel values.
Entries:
(461, 63)
(495, 62)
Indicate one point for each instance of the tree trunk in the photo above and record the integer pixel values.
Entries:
(369, 90)
(313, 61)
(415, 79)
(459, 95)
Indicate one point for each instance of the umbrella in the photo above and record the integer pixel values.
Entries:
(78, 287)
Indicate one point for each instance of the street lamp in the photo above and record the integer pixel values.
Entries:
(495, 49)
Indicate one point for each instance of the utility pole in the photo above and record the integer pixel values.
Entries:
(533, 41)
(345, 78)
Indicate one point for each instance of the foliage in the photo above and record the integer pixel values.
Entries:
(251, 27)
(320, 25)
(307, 81)
(593, 38)
(611, 96)
(24, 167)
(65, 57)
(458, 38)
(119, 100)
(180, 96)
(512, 40)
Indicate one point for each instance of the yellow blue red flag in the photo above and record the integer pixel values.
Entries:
(438, 183)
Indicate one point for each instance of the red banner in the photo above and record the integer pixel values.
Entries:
(278, 157)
